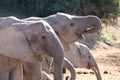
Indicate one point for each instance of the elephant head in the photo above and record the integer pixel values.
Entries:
(70, 28)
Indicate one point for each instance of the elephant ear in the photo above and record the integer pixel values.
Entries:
(36, 35)
(13, 44)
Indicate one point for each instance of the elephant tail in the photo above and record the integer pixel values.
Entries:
(68, 64)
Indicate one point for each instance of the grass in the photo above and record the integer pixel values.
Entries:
(110, 34)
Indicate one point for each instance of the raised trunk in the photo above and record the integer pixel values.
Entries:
(93, 24)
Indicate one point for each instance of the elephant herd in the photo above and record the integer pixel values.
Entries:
(32, 47)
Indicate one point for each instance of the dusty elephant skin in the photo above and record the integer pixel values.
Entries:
(80, 56)
(27, 42)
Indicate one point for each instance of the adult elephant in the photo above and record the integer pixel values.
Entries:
(69, 29)
(81, 57)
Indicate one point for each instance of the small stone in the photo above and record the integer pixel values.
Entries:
(79, 72)
(105, 72)
(85, 72)
(92, 73)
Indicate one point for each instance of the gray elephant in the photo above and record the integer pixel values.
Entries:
(80, 56)
(69, 28)
(27, 42)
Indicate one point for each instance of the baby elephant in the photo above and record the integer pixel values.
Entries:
(80, 56)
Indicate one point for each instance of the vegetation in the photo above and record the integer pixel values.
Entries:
(103, 8)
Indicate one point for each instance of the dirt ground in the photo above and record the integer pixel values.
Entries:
(108, 60)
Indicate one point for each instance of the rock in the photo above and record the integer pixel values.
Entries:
(105, 72)
(79, 72)
(85, 72)
(92, 73)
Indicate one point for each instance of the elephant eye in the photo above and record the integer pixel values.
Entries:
(43, 37)
(72, 24)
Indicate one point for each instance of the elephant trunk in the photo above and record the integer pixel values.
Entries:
(93, 24)
(96, 70)
(68, 64)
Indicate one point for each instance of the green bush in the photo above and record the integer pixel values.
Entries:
(105, 8)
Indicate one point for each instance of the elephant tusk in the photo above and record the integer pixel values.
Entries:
(89, 30)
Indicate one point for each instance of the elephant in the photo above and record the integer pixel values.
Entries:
(80, 56)
(47, 65)
(69, 28)
(27, 42)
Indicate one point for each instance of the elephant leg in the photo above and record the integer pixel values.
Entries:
(32, 71)
(4, 74)
(4, 68)
(16, 73)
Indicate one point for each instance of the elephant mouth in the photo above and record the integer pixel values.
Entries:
(80, 36)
